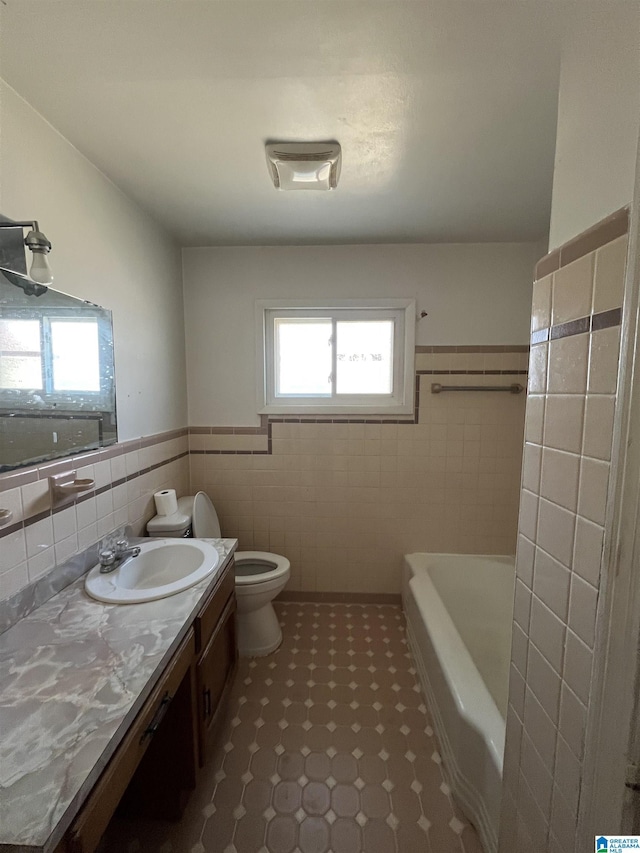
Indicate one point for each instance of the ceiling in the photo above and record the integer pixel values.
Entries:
(446, 112)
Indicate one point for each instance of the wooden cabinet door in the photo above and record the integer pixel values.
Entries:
(213, 673)
(86, 831)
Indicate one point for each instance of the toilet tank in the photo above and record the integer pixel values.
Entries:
(178, 525)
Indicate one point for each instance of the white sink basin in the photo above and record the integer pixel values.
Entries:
(164, 567)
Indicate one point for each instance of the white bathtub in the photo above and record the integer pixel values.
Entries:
(459, 610)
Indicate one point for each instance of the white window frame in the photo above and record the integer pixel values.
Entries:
(399, 402)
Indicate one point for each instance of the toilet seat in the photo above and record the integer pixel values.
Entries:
(275, 566)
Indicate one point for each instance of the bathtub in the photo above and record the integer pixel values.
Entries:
(459, 610)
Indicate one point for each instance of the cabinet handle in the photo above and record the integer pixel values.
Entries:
(153, 726)
(206, 695)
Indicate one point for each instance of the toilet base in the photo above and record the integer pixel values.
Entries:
(259, 632)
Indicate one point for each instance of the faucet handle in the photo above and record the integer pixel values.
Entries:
(107, 557)
(121, 546)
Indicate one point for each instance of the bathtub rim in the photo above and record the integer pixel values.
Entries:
(473, 704)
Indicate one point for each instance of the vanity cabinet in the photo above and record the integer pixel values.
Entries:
(213, 673)
(160, 756)
(89, 826)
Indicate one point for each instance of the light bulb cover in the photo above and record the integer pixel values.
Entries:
(40, 270)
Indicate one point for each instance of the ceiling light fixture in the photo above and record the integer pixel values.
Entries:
(304, 165)
(39, 246)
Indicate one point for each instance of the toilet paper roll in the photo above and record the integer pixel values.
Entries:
(166, 502)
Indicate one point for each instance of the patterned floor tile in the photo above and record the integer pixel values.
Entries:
(327, 748)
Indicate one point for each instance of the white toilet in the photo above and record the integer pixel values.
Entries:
(260, 576)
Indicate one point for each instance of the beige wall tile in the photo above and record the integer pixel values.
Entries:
(563, 422)
(572, 720)
(520, 646)
(563, 820)
(527, 524)
(538, 777)
(587, 552)
(524, 560)
(559, 481)
(540, 728)
(545, 683)
(582, 609)
(14, 552)
(578, 660)
(35, 498)
(568, 774)
(541, 304)
(598, 426)
(548, 633)
(551, 583)
(12, 580)
(611, 262)
(594, 480)
(39, 536)
(11, 499)
(573, 290)
(556, 527)
(603, 361)
(568, 361)
(522, 606)
(534, 421)
(538, 369)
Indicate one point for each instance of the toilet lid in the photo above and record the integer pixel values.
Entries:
(205, 519)
(258, 566)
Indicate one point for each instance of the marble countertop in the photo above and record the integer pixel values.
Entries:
(73, 676)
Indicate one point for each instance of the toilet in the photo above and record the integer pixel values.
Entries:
(260, 576)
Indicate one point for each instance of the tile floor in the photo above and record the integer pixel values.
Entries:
(327, 748)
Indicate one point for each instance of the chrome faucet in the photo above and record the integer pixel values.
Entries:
(111, 558)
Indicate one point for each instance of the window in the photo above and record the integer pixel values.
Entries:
(343, 358)
(40, 354)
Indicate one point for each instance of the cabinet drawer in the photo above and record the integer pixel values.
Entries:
(84, 835)
(209, 616)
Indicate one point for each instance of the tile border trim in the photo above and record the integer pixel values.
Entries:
(363, 598)
(32, 473)
(267, 420)
(33, 519)
(603, 232)
(480, 348)
(593, 323)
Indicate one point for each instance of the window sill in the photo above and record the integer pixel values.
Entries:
(355, 411)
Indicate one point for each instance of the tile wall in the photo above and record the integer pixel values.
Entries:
(344, 500)
(573, 377)
(126, 475)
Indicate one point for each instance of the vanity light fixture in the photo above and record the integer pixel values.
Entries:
(39, 246)
(304, 165)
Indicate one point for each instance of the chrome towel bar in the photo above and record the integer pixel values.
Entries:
(515, 388)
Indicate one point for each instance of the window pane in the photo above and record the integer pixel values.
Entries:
(303, 357)
(18, 371)
(20, 361)
(20, 336)
(68, 337)
(365, 357)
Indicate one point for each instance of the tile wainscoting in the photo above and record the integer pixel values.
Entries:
(344, 499)
(575, 343)
(126, 475)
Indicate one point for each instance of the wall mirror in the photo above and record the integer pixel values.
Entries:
(57, 378)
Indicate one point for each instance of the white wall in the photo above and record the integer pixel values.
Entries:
(106, 250)
(598, 119)
(474, 294)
